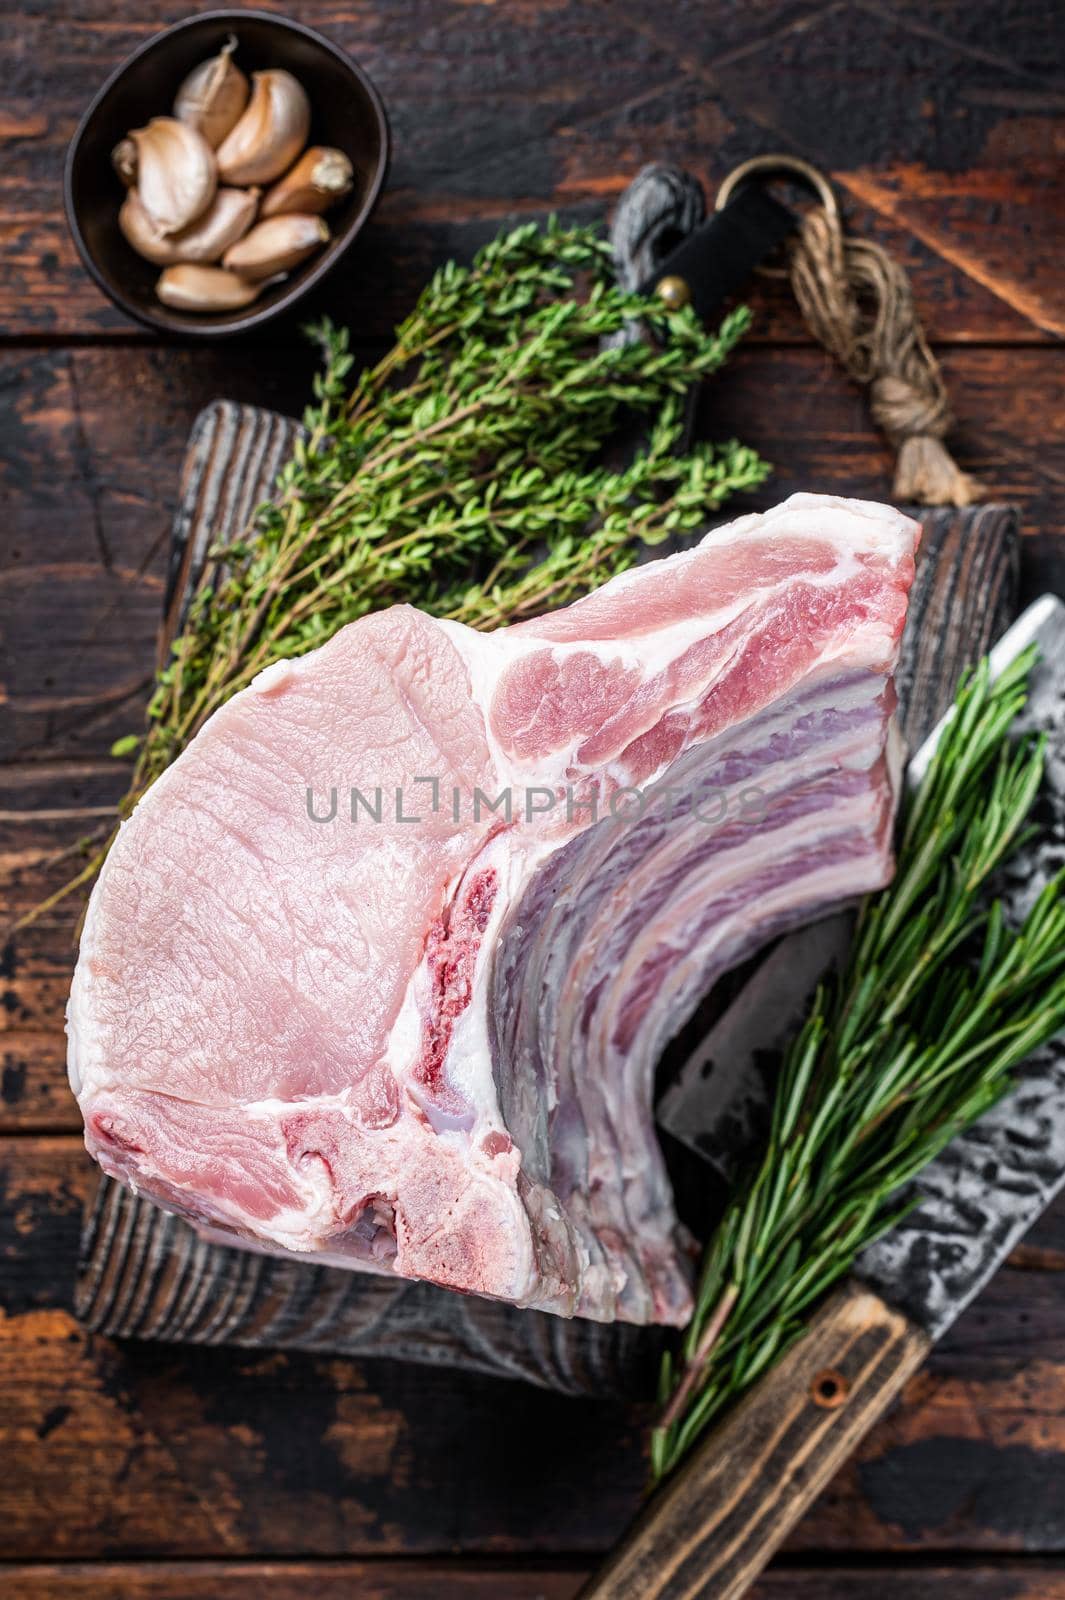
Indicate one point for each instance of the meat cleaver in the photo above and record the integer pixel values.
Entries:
(715, 1524)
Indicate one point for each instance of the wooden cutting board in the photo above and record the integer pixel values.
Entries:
(144, 1274)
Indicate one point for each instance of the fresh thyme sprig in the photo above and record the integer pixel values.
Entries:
(465, 473)
(484, 454)
(939, 1001)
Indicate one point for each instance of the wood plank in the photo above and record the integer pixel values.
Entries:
(85, 542)
(285, 1580)
(941, 137)
(150, 1450)
(190, 1452)
(944, 136)
(145, 1274)
(397, 1580)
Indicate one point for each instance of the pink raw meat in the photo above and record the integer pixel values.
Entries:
(419, 1033)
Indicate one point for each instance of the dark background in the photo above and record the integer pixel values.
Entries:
(135, 1471)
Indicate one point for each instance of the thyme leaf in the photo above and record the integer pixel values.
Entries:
(467, 473)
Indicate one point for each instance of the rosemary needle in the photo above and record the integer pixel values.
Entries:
(939, 1002)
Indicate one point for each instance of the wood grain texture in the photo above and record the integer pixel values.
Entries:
(166, 1451)
(143, 1274)
(157, 1451)
(964, 596)
(51, 975)
(942, 133)
(710, 1530)
(232, 460)
(336, 1580)
(944, 126)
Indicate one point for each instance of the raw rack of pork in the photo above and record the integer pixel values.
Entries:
(423, 1041)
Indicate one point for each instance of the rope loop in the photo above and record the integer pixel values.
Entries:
(857, 301)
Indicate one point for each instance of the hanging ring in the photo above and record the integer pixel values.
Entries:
(780, 165)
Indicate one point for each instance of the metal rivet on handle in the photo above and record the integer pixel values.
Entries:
(673, 292)
(829, 1389)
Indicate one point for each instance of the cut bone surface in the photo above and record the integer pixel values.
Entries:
(428, 1046)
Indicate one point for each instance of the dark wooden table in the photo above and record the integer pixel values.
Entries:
(138, 1470)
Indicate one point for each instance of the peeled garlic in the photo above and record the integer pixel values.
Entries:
(194, 288)
(270, 134)
(176, 173)
(276, 245)
(227, 219)
(140, 231)
(319, 179)
(124, 161)
(213, 96)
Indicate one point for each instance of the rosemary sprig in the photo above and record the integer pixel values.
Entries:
(465, 473)
(939, 1001)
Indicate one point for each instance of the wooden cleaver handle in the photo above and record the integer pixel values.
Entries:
(715, 1524)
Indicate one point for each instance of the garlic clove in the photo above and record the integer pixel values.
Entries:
(270, 134)
(319, 179)
(276, 245)
(227, 219)
(124, 161)
(176, 172)
(190, 287)
(213, 96)
(140, 231)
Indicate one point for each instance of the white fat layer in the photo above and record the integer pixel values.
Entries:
(670, 923)
(518, 854)
(885, 531)
(829, 884)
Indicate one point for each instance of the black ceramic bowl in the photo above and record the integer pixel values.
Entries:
(346, 113)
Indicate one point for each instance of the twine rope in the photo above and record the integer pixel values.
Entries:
(858, 303)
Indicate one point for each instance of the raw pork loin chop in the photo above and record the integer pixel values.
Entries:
(427, 1046)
